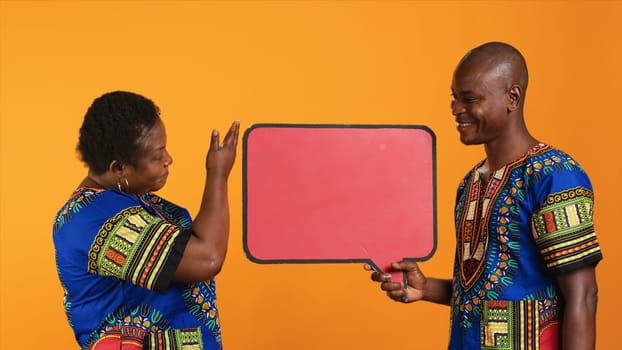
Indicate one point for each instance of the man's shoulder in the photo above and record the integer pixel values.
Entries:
(546, 156)
(554, 169)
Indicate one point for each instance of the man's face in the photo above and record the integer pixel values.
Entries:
(480, 103)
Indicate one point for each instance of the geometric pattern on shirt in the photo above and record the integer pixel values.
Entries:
(146, 328)
(79, 199)
(503, 253)
(169, 211)
(563, 229)
(200, 300)
(474, 236)
(513, 211)
(182, 339)
(513, 325)
(501, 323)
(497, 201)
(119, 337)
(133, 246)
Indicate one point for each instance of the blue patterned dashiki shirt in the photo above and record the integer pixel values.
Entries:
(115, 255)
(531, 221)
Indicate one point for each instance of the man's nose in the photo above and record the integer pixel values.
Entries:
(457, 107)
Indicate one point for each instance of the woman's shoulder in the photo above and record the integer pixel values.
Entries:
(83, 198)
(178, 214)
(80, 198)
(154, 199)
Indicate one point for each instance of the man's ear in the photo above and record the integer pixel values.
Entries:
(515, 95)
(116, 168)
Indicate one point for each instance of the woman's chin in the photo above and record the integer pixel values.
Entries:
(159, 185)
(156, 188)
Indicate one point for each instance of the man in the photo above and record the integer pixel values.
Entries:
(524, 274)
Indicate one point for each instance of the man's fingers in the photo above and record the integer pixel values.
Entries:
(391, 286)
(407, 266)
(377, 277)
(380, 277)
(398, 295)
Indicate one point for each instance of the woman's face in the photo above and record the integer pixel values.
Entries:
(151, 170)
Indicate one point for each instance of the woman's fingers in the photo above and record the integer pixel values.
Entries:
(215, 142)
(232, 135)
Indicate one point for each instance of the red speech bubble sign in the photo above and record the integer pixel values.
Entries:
(339, 193)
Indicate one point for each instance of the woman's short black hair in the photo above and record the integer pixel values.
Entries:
(111, 128)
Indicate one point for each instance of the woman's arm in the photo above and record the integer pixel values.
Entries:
(206, 249)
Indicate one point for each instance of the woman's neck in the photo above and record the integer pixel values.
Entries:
(98, 181)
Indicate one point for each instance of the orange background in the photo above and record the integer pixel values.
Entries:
(207, 63)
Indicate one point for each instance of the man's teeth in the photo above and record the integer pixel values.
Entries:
(462, 125)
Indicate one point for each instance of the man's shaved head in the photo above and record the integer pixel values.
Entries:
(500, 58)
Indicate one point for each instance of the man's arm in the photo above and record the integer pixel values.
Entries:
(579, 316)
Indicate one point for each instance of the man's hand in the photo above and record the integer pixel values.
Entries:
(414, 291)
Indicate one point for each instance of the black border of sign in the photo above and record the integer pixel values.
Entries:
(247, 133)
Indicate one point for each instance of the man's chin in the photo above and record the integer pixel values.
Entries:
(469, 141)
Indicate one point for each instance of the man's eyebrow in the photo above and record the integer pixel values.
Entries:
(463, 92)
(156, 149)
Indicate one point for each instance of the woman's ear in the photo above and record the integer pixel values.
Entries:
(116, 168)
(515, 95)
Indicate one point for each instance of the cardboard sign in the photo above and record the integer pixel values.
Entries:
(339, 193)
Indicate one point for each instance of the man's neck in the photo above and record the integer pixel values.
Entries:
(508, 149)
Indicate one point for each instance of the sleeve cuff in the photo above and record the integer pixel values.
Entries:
(172, 262)
(591, 261)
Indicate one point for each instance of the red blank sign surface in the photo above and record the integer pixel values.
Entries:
(339, 193)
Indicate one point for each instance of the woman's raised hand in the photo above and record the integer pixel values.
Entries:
(221, 156)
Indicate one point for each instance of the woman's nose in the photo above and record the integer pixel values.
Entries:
(169, 159)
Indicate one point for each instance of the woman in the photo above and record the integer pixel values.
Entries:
(137, 271)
